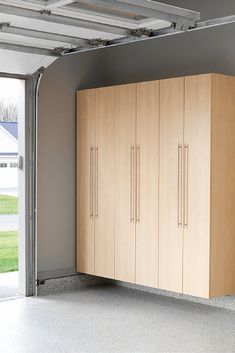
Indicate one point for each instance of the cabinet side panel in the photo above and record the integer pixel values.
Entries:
(147, 186)
(85, 139)
(223, 186)
(197, 136)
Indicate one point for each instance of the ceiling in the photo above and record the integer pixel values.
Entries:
(34, 33)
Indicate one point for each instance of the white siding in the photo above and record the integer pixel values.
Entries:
(8, 144)
(8, 175)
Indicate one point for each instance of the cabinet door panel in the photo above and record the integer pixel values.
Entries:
(125, 116)
(147, 187)
(197, 196)
(170, 202)
(104, 201)
(85, 223)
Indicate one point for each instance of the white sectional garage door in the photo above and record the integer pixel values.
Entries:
(33, 33)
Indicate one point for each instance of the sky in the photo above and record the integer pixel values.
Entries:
(10, 89)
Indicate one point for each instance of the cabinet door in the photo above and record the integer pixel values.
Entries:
(147, 183)
(125, 116)
(104, 182)
(197, 185)
(85, 155)
(170, 184)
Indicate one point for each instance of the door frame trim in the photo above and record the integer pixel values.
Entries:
(31, 103)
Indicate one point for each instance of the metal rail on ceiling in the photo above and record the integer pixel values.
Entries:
(6, 27)
(53, 4)
(45, 15)
(150, 9)
(179, 18)
(29, 49)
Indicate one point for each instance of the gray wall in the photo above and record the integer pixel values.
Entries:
(209, 50)
(56, 160)
(208, 8)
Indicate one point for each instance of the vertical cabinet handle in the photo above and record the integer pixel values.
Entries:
(96, 181)
(180, 182)
(186, 153)
(91, 182)
(132, 182)
(137, 205)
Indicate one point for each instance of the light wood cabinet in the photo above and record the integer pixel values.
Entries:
(222, 193)
(184, 230)
(136, 183)
(197, 178)
(85, 155)
(147, 147)
(156, 184)
(104, 182)
(171, 184)
(197, 156)
(125, 118)
(95, 182)
(211, 195)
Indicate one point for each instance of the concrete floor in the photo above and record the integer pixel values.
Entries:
(112, 319)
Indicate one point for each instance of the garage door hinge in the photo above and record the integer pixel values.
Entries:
(98, 42)
(141, 32)
(45, 12)
(40, 282)
(4, 24)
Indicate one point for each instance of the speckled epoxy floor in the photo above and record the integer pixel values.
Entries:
(113, 319)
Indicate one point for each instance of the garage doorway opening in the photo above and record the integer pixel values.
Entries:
(12, 190)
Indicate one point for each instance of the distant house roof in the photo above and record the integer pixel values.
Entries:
(8, 154)
(11, 127)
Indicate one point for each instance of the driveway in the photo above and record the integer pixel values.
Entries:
(8, 222)
(8, 284)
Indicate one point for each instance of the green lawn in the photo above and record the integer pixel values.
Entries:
(8, 251)
(8, 204)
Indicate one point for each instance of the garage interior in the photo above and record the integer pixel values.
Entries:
(129, 189)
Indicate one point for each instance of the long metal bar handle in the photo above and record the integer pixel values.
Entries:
(137, 212)
(132, 150)
(186, 156)
(180, 187)
(96, 182)
(91, 181)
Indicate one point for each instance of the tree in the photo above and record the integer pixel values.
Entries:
(8, 110)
